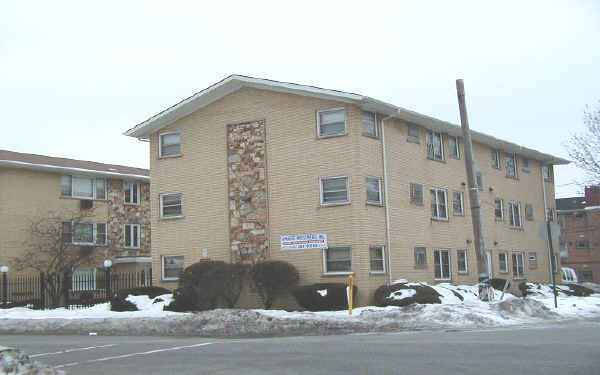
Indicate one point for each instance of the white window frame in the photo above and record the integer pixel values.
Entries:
(456, 146)
(466, 256)
(160, 137)
(378, 179)
(462, 203)
(338, 203)
(382, 271)
(160, 203)
(131, 236)
(515, 165)
(501, 218)
(332, 110)
(94, 234)
(376, 123)
(437, 204)
(440, 250)
(496, 162)
(431, 136)
(511, 214)
(326, 272)
(506, 267)
(94, 190)
(162, 266)
(516, 266)
(137, 187)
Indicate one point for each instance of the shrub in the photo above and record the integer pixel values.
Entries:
(576, 290)
(232, 278)
(183, 300)
(498, 284)
(323, 296)
(387, 295)
(119, 302)
(272, 278)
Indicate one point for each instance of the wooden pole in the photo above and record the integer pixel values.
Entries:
(482, 268)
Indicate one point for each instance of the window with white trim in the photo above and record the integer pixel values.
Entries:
(510, 162)
(83, 187)
(514, 214)
(374, 190)
(369, 120)
(547, 172)
(435, 145)
(532, 257)
(376, 254)
(334, 190)
(331, 122)
(414, 132)
(132, 235)
(479, 181)
(132, 192)
(529, 211)
(441, 259)
(439, 208)
(416, 194)
(169, 144)
(172, 267)
(462, 261)
(84, 233)
(503, 262)
(496, 159)
(457, 203)
(517, 263)
(420, 257)
(499, 209)
(171, 205)
(454, 144)
(337, 260)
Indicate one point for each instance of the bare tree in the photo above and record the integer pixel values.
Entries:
(584, 147)
(50, 249)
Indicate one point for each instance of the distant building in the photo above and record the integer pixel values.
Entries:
(579, 218)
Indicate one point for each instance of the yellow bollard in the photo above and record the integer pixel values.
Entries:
(350, 293)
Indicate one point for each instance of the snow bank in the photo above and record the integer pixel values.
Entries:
(15, 362)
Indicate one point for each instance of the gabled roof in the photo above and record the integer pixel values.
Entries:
(63, 165)
(235, 82)
(570, 204)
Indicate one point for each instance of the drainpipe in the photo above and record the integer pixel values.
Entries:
(386, 199)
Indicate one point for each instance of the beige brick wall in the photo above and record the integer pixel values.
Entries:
(296, 159)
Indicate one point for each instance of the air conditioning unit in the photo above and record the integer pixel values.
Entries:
(86, 203)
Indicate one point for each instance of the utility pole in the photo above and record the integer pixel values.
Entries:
(482, 264)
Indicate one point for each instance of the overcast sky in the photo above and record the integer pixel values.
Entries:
(75, 75)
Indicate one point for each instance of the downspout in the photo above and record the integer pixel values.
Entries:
(386, 199)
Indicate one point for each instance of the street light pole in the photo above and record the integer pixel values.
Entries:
(107, 265)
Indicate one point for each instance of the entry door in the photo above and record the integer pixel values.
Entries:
(488, 255)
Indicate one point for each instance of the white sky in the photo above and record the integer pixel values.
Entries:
(75, 75)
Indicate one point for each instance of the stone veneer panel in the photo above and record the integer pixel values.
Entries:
(248, 218)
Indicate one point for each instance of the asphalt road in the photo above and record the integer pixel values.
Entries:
(565, 349)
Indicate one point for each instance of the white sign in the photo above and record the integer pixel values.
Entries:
(304, 241)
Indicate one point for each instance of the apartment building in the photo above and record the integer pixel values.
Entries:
(336, 183)
(112, 200)
(579, 219)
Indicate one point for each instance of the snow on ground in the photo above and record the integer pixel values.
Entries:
(453, 312)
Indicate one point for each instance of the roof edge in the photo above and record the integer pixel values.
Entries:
(55, 168)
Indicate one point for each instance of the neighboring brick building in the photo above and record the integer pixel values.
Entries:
(242, 167)
(579, 218)
(116, 197)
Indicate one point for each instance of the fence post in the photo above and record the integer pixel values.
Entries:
(67, 281)
(42, 291)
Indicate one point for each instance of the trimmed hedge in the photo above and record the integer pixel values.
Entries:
(498, 283)
(313, 298)
(119, 303)
(423, 294)
(272, 278)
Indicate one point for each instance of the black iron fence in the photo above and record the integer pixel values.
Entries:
(77, 290)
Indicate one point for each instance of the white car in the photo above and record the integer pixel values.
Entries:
(569, 275)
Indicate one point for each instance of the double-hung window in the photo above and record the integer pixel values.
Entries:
(132, 235)
(441, 259)
(376, 254)
(532, 260)
(462, 261)
(496, 159)
(83, 187)
(510, 162)
(547, 172)
(374, 191)
(503, 262)
(420, 257)
(331, 122)
(334, 190)
(457, 203)
(132, 192)
(337, 260)
(171, 205)
(454, 147)
(169, 144)
(172, 266)
(499, 209)
(416, 194)
(369, 123)
(435, 145)
(439, 209)
(414, 132)
(514, 214)
(84, 233)
(517, 260)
